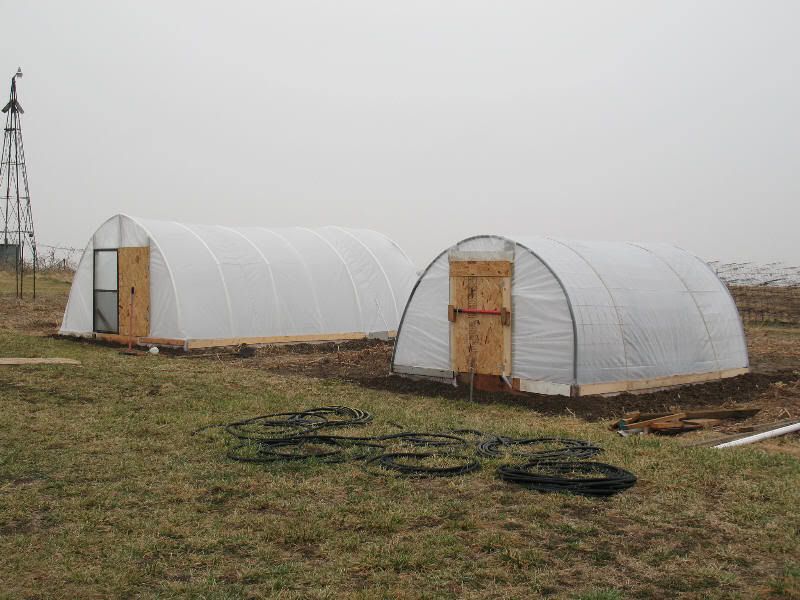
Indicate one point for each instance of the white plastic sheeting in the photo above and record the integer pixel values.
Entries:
(588, 312)
(214, 282)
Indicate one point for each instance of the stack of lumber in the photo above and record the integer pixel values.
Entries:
(677, 422)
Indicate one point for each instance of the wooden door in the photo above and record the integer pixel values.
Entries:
(134, 274)
(480, 316)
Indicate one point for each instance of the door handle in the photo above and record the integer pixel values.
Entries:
(503, 313)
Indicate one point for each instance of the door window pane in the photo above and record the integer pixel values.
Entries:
(105, 312)
(105, 270)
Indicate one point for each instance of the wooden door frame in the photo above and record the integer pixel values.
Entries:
(94, 289)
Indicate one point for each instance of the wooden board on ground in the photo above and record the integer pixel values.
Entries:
(713, 413)
(666, 418)
(39, 361)
(671, 426)
(677, 422)
(134, 273)
(704, 423)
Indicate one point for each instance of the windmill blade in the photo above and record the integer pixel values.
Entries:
(16, 105)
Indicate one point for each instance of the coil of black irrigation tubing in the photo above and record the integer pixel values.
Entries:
(552, 463)
(543, 448)
(321, 448)
(411, 464)
(583, 478)
(281, 425)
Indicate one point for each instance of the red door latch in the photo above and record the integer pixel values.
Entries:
(503, 313)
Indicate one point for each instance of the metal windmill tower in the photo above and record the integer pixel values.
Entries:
(17, 238)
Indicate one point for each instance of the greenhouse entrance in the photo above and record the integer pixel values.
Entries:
(122, 291)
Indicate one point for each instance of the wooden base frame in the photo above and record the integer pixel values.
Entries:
(195, 344)
(652, 385)
(138, 341)
(495, 383)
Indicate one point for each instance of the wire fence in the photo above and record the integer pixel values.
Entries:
(774, 274)
(764, 293)
(49, 259)
(52, 259)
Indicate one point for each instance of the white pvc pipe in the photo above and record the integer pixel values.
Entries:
(761, 436)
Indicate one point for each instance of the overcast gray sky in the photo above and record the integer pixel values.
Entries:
(430, 121)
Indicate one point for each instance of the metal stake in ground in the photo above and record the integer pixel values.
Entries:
(471, 381)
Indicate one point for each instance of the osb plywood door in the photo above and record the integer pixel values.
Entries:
(134, 273)
(480, 343)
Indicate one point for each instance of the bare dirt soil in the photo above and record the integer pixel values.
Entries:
(40, 317)
(774, 384)
(774, 388)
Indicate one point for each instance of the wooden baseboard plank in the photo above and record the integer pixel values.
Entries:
(423, 372)
(138, 341)
(543, 387)
(638, 385)
(193, 344)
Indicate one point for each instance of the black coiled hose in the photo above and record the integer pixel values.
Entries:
(543, 448)
(552, 464)
(397, 462)
(583, 478)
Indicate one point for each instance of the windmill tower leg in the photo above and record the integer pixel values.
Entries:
(15, 202)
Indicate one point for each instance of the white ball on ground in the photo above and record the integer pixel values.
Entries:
(153, 350)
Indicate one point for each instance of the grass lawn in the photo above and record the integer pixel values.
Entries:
(104, 492)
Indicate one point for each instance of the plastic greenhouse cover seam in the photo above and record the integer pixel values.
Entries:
(299, 256)
(569, 306)
(613, 301)
(267, 264)
(694, 300)
(153, 241)
(346, 268)
(380, 266)
(219, 270)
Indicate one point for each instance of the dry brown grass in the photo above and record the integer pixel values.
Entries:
(768, 304)
(104, 493)
(773, 348)
(42, 317)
